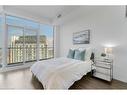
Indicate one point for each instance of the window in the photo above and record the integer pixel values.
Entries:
(30, 40)
(22, 40)
(46, 42)
(15, 45)
(23, 43)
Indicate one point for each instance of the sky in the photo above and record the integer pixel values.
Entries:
(45, 29)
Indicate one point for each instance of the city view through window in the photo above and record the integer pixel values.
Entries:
(23, 42)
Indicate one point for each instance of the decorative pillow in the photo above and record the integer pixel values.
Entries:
(88, 52)
(79, 55)
(71, 53)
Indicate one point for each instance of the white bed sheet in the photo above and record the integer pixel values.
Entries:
(60, 73)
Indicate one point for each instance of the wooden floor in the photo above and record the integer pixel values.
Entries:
(22, 79)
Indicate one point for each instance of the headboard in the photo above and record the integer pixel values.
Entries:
(92, 57)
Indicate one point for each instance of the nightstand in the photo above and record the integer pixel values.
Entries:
(103, 68)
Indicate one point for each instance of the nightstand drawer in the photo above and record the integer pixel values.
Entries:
(102, 76)
(103, 64)
(103, 71)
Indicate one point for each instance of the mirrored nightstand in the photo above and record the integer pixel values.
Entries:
(103, 68)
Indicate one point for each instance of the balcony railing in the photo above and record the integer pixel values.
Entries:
(18, 54)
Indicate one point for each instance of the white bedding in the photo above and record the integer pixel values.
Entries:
(60, 73)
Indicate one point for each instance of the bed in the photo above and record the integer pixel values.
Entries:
(60, 73)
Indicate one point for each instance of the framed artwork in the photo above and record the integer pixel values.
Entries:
(82, 37)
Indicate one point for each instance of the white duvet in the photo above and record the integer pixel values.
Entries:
(60, 73)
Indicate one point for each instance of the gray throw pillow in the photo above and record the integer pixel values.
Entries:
(79, 55)
(71, 53)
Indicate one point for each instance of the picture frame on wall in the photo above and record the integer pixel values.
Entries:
(82, 37)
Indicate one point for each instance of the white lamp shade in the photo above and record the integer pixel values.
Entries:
(108, 50)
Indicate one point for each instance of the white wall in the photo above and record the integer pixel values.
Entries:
(108, 25)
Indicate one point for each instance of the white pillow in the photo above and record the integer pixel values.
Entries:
(88, 53)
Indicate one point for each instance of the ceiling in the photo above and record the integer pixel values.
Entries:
(48, 12)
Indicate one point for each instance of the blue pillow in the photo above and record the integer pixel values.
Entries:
(79, 55)
(71, 53)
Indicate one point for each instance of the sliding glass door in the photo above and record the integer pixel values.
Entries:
(22, 45)
(27, 41)
(46, 42)
(30, 46)
(15, 45)
(22, 40)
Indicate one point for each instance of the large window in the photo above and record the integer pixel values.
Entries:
(30, 46)
(23, 44)
(46, 42)
(22, 40)
(15, 45)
